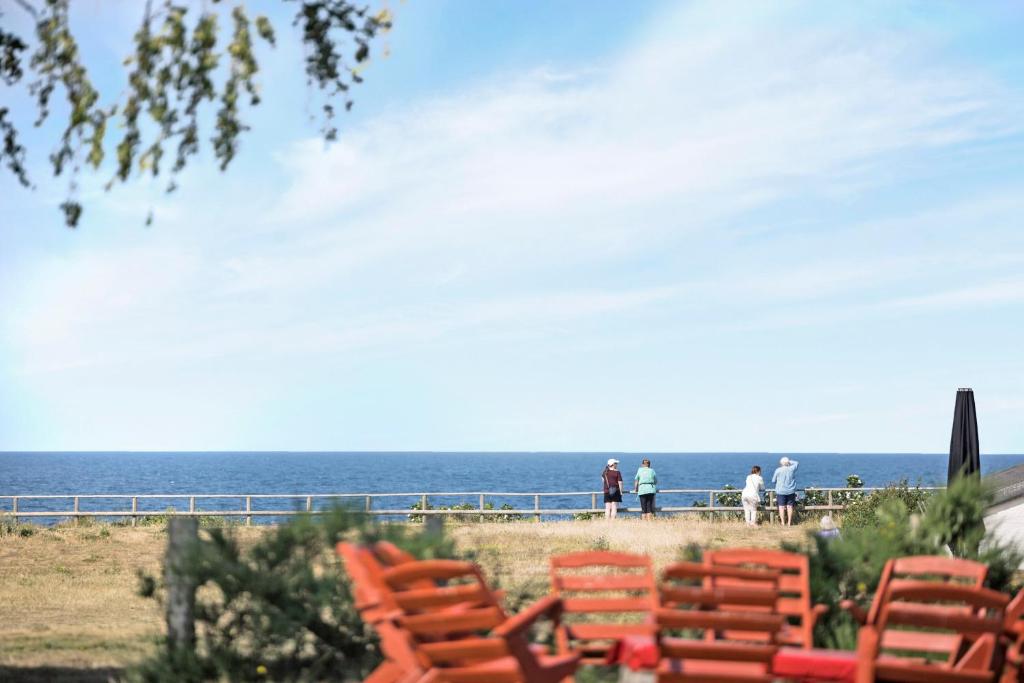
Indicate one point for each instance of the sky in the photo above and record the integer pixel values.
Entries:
(573, 226)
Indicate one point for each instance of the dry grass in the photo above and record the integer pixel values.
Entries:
(69, 608)
(516, 555)
(68, 598)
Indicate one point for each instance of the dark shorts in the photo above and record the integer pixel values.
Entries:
(786, 499)
(647, 503)
(617, 498)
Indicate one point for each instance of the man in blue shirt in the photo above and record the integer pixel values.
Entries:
(785, 489)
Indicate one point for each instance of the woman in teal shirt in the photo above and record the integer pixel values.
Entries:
(645, 483)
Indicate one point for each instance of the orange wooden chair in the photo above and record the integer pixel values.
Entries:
(794, 588)
(594, 585)
(920, 567)
(921, 611)
(461, 634)
(710, 632)
(1013, 632)
(936, 569)
(401, 664)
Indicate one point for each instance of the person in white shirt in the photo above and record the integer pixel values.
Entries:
(751, 495)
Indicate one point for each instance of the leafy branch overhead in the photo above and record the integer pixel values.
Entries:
(188, 69)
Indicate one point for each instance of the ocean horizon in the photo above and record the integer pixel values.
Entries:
(463, 475)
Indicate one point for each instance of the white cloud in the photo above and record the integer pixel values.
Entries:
(718, 175)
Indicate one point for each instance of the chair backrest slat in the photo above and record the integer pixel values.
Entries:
(602, 583)
(470, 620)
(605, 605)
(709, 596)
(599, 558)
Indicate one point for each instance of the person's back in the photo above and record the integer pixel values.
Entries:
(750, 497)
(785, 489)
(785, 478)
(754, 485)
(645, 485)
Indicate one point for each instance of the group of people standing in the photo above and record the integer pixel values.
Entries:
(645, 485)
(784, 479)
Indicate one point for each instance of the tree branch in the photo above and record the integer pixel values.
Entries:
(23, 4)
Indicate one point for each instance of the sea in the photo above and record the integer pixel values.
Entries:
(453, 478)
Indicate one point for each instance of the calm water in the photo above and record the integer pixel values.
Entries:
(308, 473)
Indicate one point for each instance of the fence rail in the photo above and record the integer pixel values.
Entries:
(822, 499)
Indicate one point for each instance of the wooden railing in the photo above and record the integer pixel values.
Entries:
(18, 507)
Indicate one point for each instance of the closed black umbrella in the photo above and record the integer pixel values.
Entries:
(964, 456)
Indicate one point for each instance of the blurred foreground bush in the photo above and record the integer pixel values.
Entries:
(279, 609)
(895, 522)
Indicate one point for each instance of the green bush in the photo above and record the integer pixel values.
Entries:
(510, 517)
(903, 521)
(732, 497)
(9, 528)
(280, 609)
(861, 513)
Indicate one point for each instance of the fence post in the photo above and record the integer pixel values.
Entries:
(191, 505)
(711, 499)
(481, 507)
(135, 510)
(593, 501)
(14, 509)
(369, 503)
(423, 505)
(309, 503)
(536, 507)
(77, 518)
(248, 510)
(830, 501)
(182, 535)
(433, 524)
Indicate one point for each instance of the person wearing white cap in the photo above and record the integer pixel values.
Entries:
(827, 528)
(785, 489)
(612, 480)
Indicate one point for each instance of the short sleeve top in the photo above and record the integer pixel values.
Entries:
(611, 477)
(646, 480)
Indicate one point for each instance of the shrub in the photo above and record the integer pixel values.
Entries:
(861, 512)
(902, 522)
(732, 497)
(9, 528)
(510, 517)
(280, 609)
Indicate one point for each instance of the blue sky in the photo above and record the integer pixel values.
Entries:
(563, 226)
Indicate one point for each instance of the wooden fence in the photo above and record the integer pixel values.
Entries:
(821, 499)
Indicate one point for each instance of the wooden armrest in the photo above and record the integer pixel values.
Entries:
(855, 610)
(550, 605)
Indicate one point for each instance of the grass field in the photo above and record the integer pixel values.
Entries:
(69, 609)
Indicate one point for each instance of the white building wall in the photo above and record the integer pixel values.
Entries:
(1007, 523)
